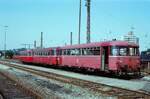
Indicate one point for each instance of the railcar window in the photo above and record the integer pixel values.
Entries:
(89, 51)
(49, 53)
(114, 51)
(123, 52)
(137, 51)
(64, 52)
(59, 52)
(84, 51)
(68, 52)
(133, 51)
(96, 51)
(72, 52)
(119, 51)
(54, 51)
(44, 54)
(77, 52)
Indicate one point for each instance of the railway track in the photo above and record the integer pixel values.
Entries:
(10, 89)
(146, 72)
(95, 87)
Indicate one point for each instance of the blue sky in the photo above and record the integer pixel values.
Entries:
(57, 18)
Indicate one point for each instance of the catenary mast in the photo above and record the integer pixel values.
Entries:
(88, 5)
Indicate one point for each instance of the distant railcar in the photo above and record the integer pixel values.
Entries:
(47, 56)
(145, 58)
(112, 56)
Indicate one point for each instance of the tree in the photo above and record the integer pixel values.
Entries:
(9, 54)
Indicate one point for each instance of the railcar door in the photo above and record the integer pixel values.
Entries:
(104, 59)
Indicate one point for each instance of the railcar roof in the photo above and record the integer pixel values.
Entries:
(26, 51)
(39, 49)
(97, 44)
(43, 49)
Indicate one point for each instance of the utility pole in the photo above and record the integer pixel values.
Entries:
(88, 5)
(35, 44)
(41, 39)
(70, 38)
(5, 30)
(79, 22)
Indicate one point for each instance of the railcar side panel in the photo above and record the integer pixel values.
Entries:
(27, 59)
(131, 63)
(93, 62)
(49, 60)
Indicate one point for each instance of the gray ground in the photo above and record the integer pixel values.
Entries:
(51, 87)
(136, 85)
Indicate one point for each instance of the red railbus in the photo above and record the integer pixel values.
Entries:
(111, 56)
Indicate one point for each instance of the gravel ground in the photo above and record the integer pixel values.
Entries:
(147, 78)
(147, 85)
(1, 96)
(137, 85)
(9, 90)
(52, 87)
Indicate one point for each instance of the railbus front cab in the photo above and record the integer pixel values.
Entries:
(124, 58)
